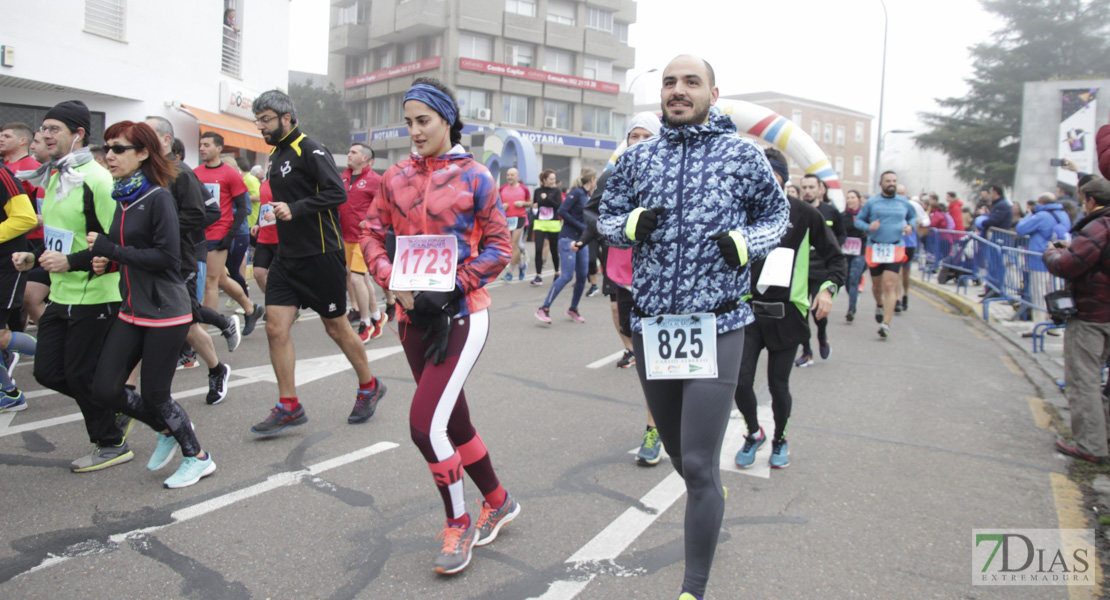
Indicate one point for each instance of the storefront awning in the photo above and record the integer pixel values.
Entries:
(237, 132)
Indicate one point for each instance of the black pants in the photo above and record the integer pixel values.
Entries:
(157, 347)
(553, 238)
(779, 365)
(70, 339)
(822, 324)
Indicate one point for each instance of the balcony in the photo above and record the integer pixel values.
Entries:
(231, 59)
(349, 39)
(416, 18)
(564, 37)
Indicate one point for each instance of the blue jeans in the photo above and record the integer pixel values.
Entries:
(856, 266)
(580, 260)
(202, 272)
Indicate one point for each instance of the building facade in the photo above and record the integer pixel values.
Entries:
(844, 135)
(128, 59)
(551, 70)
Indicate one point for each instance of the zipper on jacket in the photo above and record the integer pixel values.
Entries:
(126, 273)
(678, 246)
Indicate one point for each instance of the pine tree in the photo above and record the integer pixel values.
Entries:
(321, 116)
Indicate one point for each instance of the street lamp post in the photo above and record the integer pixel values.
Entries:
(632, 94)
(882, 93)
(879, 156)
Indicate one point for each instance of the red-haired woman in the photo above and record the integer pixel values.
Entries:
(154, 318)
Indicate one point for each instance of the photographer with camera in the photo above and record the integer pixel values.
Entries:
(1085, 264)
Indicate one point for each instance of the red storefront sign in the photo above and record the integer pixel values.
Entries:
(471, 64)
(413, 67)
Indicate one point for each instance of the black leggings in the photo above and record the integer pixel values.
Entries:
(234, 262)
(553, 238)
(779, 365)
(822, 324)
(157, 347)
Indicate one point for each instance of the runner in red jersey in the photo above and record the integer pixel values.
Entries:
(361, 183)
(517, 200)
(15, 154)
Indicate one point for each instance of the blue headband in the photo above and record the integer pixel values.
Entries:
(435, 98)
(780, 168)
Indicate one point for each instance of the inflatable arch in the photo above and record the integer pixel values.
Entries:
(782, 133)
(507, 146)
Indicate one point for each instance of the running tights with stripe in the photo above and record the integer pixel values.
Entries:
(157, 347)
(692, 415)
(439, 418)
(779, 365)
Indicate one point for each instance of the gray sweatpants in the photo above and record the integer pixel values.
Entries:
(692, 415)
(1086, 348)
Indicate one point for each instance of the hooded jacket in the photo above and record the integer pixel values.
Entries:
(449, 195)
(707, 180)
(1045, 221)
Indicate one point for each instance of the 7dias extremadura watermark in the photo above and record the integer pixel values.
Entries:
(1033, 557)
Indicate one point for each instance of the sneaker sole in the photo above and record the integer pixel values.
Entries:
(210, 469)
(293, 423)
(375, 411)
(497, 528)
(119, 460)
(546, 321)
(227, 377)
(643, 462)
(14, 407)
(780, 466)
(236, 339)
(469, 555)
(165, 462)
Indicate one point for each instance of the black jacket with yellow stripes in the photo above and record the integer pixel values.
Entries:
(17, 217)
(304, 176)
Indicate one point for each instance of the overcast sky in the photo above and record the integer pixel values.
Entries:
(830, 51)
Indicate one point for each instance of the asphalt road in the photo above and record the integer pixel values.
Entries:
(899, 449)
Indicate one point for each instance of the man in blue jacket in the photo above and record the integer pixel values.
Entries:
(1046, 222)
(696, 204)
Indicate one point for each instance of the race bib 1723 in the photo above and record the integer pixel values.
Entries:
(425, 263)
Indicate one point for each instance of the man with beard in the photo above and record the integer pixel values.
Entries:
(886, 217)
(309, 270)
(813, 192)
(695, 203)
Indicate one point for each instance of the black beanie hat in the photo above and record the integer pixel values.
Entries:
(73, 113)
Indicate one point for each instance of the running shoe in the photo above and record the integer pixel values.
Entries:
(746, 456)
(377, 328)
(905, 304)
(217, 383)
(687, 596)
(252, 319)
(825, 349)
(804, 360)
(878, 314)
(627, 360)
(191, 471)
(538, 280)
(164, 452)
(366, 402)
(231, 334)
(187, 360)
(363, 332)
(231, 303)
(493, 519)
(279, 419)
(508, 275)
(457, 544)
(897, 307)
(650, 447)
(544, 314)
(353, 316)
(102, 457)
(780, 454)
(523, 271)
(573, 314)
(884, 331)
(593, 291)
(1074, 452)
(851, 316)
(12, 400)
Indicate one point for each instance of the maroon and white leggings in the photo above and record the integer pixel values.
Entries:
(439, 418)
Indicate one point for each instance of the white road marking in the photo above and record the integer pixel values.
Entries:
(608, 360)
(307, 370)
(273, 482)
(734, 440)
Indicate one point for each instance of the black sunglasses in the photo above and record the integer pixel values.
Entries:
(120, 149)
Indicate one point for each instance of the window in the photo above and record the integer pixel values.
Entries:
(796, 117)
(410, 53)
(815, 130)
(353, 66)
(519, 54)
(601, 20)
(557, 61)
(107, 18)
(556, 111)
(516, 109)
(560, 11)
(471, 101)
(859, 131)
(857, 166)
(477, 47)
(381, 111)
(598, 68)
(353, 13)
(840, 166)
(596, 119)
(521, 7)
(621, 29)
(620, 125)
(839, 135)
(828, 132)
(383, 59)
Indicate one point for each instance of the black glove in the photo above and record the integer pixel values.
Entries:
(224, 244)
(433, 303)
(436, 335)
(645, 222)
(733, 247)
